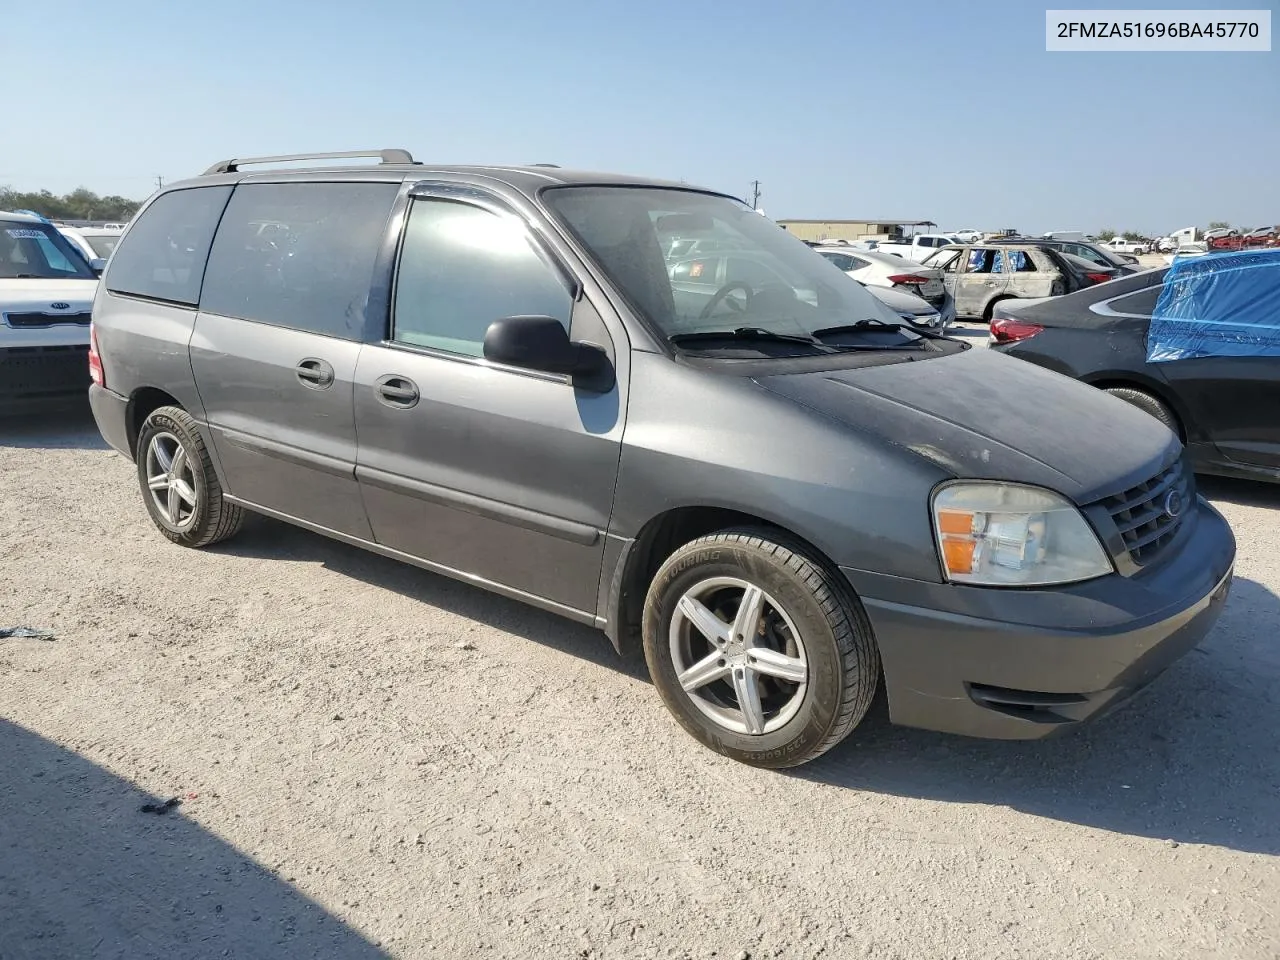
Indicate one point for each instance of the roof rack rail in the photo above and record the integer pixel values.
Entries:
(554, 166)
(384, 156)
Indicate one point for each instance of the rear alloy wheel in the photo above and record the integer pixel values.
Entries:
(179, 486)
(758, 650)
(1146, 402)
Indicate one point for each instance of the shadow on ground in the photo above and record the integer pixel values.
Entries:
(264, 537)
(69, 427)
(1194, 759)
(1246, 493)
(85, 873)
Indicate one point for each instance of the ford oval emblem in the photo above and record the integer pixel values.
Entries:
(1173, 504)
(60, 306)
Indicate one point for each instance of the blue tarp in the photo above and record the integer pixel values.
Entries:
(1218, 305)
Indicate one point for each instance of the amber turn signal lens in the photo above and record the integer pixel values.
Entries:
(957, 522)
(958, 554)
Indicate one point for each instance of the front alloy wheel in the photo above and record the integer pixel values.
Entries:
(738, 655)
(758, 647)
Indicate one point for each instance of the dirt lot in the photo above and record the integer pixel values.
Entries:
(376, 761)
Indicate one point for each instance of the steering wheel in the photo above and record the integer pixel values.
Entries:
(721, 294)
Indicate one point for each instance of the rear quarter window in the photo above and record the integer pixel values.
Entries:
(164, 255)
(1142, 303)
(299, 255)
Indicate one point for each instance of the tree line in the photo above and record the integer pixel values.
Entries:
(80, 204)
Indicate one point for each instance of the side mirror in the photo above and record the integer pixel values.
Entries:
(542, 343)
(97, 265)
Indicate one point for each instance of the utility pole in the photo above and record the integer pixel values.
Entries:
(755, 194)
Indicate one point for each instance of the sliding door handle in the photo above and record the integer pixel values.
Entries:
(316, 374)
(396, 391)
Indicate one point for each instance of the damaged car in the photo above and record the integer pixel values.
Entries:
(978, 276)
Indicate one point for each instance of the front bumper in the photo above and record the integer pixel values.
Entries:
(40, 376)
(1026, 664)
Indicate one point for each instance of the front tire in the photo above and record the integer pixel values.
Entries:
(179, 486)
(761, 652)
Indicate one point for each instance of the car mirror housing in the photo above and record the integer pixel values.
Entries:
(542, 343)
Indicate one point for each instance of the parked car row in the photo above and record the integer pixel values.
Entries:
(978, 276)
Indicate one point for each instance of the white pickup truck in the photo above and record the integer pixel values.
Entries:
(918, 247)
(1121, 245)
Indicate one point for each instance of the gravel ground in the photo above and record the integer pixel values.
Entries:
(374, 761)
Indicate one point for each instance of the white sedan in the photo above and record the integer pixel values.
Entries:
(885, 270)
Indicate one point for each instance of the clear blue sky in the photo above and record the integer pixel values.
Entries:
(939, 109)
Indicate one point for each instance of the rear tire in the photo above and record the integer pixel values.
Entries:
(1152, 405)
(778, 684)
(179, 486)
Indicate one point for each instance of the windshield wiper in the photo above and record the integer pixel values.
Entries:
(754, 333)
(877, 325)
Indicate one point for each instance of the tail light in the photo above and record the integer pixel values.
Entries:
(95, 359)
(910, 278)
(1011, 331)
(1098, 277)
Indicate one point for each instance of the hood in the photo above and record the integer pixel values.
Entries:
(981, 415)
(38, 296)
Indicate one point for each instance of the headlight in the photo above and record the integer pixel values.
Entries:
(1006, 534)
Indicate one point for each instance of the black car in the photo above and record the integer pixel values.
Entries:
(1121, 263)
(1222, 407)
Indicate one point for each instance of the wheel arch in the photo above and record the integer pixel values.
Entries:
(1132, 380)
(657, 539)
(142, 403)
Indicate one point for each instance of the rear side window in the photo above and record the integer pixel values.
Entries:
(165, 253)
(1142, 303)
(843, 261)
(298, 255)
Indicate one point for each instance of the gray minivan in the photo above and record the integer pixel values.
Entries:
(779, 492)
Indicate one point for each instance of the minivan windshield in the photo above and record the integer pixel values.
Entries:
(37, 251)
(698, 264)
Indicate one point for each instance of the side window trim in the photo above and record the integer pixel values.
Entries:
(1104, 307)
(491, 203)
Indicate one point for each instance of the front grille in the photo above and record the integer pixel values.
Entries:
(45, 319)
(1147, 516)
